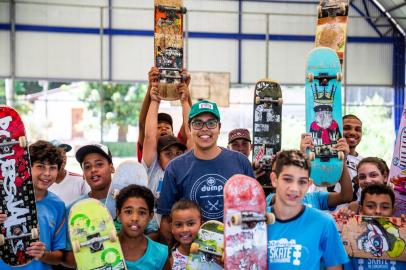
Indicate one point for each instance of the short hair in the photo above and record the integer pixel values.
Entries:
(43, 151)
(378, 162)
(378, 189)
(137, 192)
(290, 157)
(351, 116)
(185, 204)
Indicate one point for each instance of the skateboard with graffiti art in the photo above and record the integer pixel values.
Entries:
(397, 172)
(245, 220)
(267, 127)
(93, 236)
(206, 252)
(168, 46)
(331, 30)
(373, 237)
(17, 198)
(324, 115)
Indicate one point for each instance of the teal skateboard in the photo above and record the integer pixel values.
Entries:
(324, 115)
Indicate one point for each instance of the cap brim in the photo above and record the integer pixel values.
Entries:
(89, 149)
(182, 146)
(65, 147)
(203, 111)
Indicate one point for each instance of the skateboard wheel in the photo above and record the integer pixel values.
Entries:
(75, 246)
(115, 193)
(310, 77)
(257, 100)
(342, 8)
(236, 219)
(340, 155)
(312, 156)
(194, 248)
(34, 233)
(2, 239)
(183, 10)
(23, 141)
(319, 11)
(280, 101)
(339, 76)
(113, 236)
(270, 218)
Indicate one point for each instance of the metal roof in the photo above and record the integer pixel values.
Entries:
(394, 10)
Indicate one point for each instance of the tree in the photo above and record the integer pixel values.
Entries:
(21, 105)
(119, 104)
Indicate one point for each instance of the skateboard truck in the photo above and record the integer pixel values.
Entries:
(172, 74)
(34, 234)
(249, 217)
(324, 78)
(332, 9)
(95, 242)
(6, 146)
(209, 251)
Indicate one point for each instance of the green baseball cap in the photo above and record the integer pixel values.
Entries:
(202, 107)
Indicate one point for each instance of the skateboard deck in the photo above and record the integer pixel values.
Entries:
(206, 252)
(127, 173)
(267, 127)
(324, 115)
(373, 237)
(94, 239)
(397, 172)
(331, 30)
(245, 234)
(17, 197)
(168, 46)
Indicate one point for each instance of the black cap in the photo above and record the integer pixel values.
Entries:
(167, 141)
(64, 146)
(164, 117)
(93, 148)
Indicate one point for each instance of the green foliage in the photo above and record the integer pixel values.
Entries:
(127, 149)
(21, 105)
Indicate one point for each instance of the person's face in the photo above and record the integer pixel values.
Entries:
(241, 145)
(368, 173)
(168, 154)
(134, 216)
(324, 119)
(164, 128)
(185, 225)
(43, 175)
(205, 138)
(377, 205)
(97, 171)
(352, 131)
(291, 185)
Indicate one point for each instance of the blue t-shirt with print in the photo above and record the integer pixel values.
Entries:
(305, 240)
(317, 200)
(373, 264)
(154, 257)
(201, 181)
(52, 230)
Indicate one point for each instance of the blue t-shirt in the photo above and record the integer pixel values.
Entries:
(52, 230)
(154, 258)
(304, 241)
(201, 181)
(373, 264)
(317, 200)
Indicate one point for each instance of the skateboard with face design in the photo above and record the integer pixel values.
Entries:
(17, 197)
(324, 115)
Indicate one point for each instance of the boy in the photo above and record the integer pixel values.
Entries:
(301, 237)
(46, 160)
(135, 208)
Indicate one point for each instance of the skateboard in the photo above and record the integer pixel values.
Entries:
(397, 172)
(168, 46)
(17, 197)
(373, 237)
(245, 218)
(94, 239)
(206, 252)
(331, 30)
(127, 173)
(267, 127)
(324, 115)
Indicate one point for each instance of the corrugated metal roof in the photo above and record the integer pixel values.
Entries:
(395, 10)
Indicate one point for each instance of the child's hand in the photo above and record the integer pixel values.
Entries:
(155, 93)
(306, 142)
(153, 75)
(183, 91)
(36, 250)
(342, 145)
(344, 214)
(186, 75)
(403, 218)
(3, 217)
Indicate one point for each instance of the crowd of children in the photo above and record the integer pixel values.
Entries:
(187, 174)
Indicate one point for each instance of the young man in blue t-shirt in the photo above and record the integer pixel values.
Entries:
(46, 161)
(200, 174)
(301, 237)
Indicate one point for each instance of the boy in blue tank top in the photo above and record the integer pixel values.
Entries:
(301, 237)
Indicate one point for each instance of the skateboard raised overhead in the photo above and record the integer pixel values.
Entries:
(331, 30)
(17, 197)
(324, 115)
(373, 237)
(206, 252)
(168, 46)
(267, 127)
(245, 218)
(93, 236)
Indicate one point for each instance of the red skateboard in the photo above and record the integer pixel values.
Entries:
(17, 198)
(245, 221)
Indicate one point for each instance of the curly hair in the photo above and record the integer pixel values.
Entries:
(43, 151)
(378, 189)
(137, 192)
